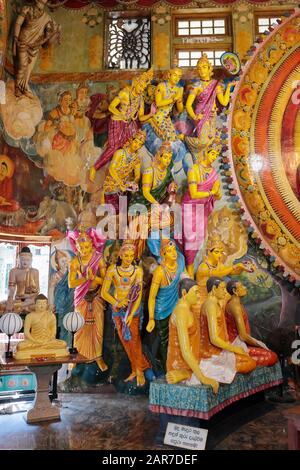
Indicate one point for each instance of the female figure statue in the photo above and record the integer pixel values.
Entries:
(87, 271)
(197, 204)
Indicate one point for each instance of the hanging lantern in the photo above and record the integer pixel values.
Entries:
(10, 323)
(72, 322)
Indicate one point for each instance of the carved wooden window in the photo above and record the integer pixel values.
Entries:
(198, 25)
(264, 21)
(128, 43)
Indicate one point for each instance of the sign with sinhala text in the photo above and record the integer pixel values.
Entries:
(186, 437)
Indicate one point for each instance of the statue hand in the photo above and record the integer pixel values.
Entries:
(180, 136)
(199, 117)
(89, 275)
(122, 303)
(129, 320)
(240, 351)
(150, 326)
(92, 174)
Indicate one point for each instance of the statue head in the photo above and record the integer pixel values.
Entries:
(215, 250)
(168, 250)
(61, 260)
(140, 83)
(205, 68)
(25, 258)
(84, 245)
(41, 303)
(137, 141)
(211, 155)
(236, 288)
(174, 75)
(127, 253)
(163, 156)
(216, 287)
(189, 290)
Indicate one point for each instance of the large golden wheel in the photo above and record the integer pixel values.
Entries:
(265, 142)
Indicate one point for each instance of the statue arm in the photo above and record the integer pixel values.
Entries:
(11, 291)
(179, 100)
(219, 271)
(223, 97)
(214, 336)
(137, 172)
(139, 279)
(27, 329)
(237, 312)
(102, 270)
(142, 116)
(155, 285)
(192, 182)
(73, 281)
(160, 99)
(185, 348)
(106, 287)
(113, 107)
(147, 181)
(114, 168)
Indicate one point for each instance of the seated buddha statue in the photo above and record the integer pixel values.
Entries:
(23, 284)
(214, 335)
(40, 333)
(238, 326)
(184, 346)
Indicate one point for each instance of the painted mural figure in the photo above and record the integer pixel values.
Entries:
(23, 284)
(86, 274)
(238, 326)
(201, 105)
(34, 29)
(126, 278)
(163, 295)
(7, 203)
(126, 109)
(197, 205)
(184, 332)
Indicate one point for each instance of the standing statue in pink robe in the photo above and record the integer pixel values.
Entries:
(197, 205)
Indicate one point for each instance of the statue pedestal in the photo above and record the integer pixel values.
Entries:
(43, 409)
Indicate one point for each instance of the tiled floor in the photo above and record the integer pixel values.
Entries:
(114, 421)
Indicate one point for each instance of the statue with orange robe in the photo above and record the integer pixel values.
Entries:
(86, 275)
(127, 280)
(7, 203)
(221, 358)
(238, 326)
(184, 346)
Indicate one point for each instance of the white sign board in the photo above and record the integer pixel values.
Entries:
(186, 437)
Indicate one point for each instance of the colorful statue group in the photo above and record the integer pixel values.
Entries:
(202, 326)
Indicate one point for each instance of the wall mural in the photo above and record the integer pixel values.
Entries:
(67, 148)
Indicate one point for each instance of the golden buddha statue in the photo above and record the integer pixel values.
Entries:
(184, 346)
(126, 278)
(163, 295)
(23, 284)
(201, 103)
(214, 332)
(86, 274)
(40, 333)
(124, 170)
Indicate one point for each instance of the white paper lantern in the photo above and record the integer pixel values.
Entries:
(73, 321)
(11, 323)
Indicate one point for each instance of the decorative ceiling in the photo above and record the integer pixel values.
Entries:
(265, 143)
(77, 4)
